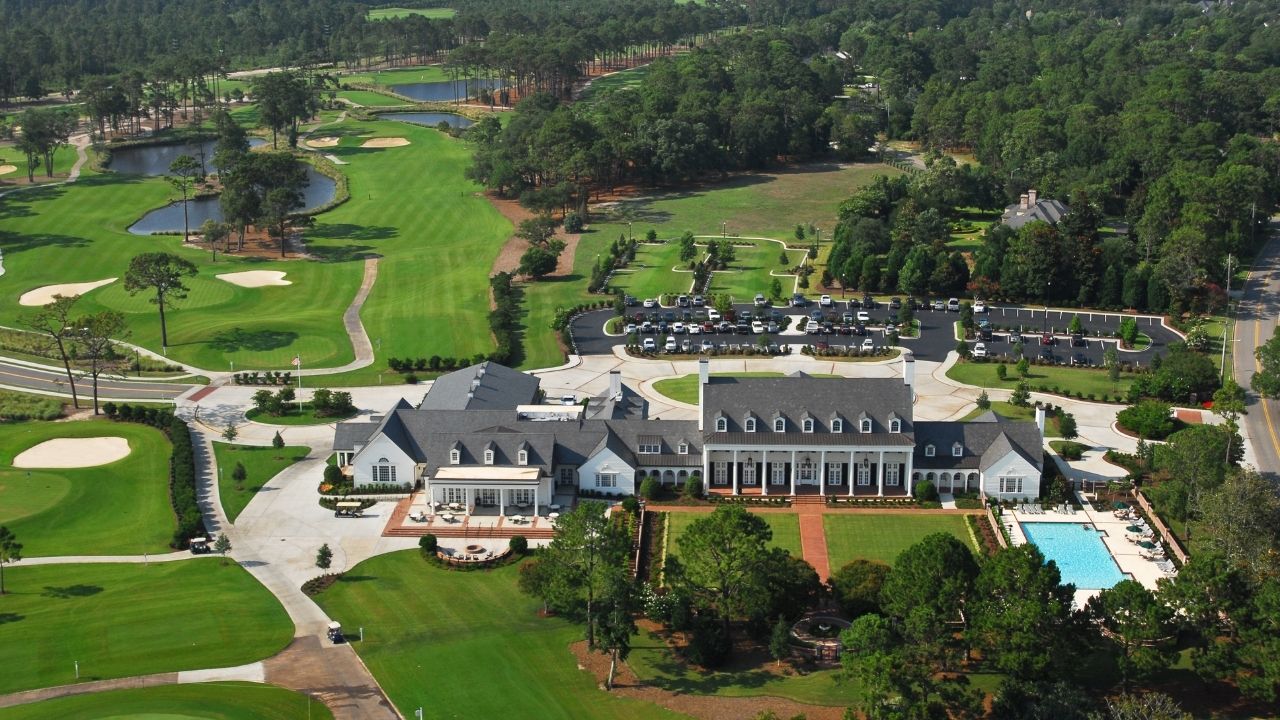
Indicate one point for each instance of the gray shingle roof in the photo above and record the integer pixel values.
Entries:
(491, 387)
(349, 434)
(822, 398)
(845, 438)
(984, 442)
(1046, 210)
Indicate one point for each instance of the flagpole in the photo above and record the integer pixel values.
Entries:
(299, 383)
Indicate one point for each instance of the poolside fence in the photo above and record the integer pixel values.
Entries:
(1169, 539)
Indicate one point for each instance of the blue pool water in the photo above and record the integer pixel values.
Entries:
(1081, 557)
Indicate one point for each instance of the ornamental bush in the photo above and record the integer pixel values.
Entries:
(649, 488)
(925, 491)
(1148, 419)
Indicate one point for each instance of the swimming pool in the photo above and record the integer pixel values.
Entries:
(1081, 557)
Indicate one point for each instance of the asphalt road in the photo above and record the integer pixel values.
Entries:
(937, 336)
(1256, 317)
(22, 377)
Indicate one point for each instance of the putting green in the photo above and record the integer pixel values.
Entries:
(118, 508)
(199, 701)
(123, 620)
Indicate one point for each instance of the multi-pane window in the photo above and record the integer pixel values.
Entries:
(835, 474)
(522, 457)
(864, 474)
(721, 473)
(488, 457)
(837, 425)
(606, 480)
(722, 425)
(455, 457)
(750, 424)
(808, 425)
(1010, 484)
(748, 473)
(384, 471)
(779, 425)
(866, 426)
(779, 474)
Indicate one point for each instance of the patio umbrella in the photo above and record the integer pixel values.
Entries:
(1136, 529)
(1147, 545)
(1120, 505)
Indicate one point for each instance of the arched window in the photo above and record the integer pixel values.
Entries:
(957, 450)
(928, 450)
(384, 471)
(808, 425)
(837, 425)
(721, 425)
(522, 457)
(895, 426)
(866, 426)
(488, 457)
(779, 425)
(750, 424)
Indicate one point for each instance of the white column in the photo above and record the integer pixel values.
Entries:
(706, 468)
(822, 472)
(880, 473)
(909, 471)
(535, 501)
(431, 501)
(793, 472)
(907, 481)
(468, 497)
(763, 477)
(852, 471)
(733, 472)
(502, 502)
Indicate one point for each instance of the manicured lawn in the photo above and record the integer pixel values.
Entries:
(123, 620)
(786, 530)
(467, 644)
(884, 537)
(401, 76)
(77, 233)
(1014, 412)
(116, 509)
(1067, 379)
(685, 387)
(369, 99)
(307, 416)
(260, 464)
(630, 78)
(63, 159)
(656, 270)
(396, 12)
(225, 701)
(749, 273)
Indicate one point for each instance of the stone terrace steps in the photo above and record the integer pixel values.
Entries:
(470, 532)
(808, 500)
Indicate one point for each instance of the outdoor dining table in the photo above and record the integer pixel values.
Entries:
(448, 517)
(517, 518)
(553, 515)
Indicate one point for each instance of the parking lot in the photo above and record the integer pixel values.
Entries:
(937, 333)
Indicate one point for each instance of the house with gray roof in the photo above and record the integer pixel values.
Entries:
(482, 439)
(1031, 208)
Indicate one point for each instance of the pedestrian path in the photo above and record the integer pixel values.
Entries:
(813, 542)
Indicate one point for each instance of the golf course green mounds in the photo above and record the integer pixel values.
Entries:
(467, 645)
(199, 701)
(121, 620)
(121, 508)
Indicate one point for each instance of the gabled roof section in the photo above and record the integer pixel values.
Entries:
(487, 386)
(983, 442)
(1002, 446)
(790, 397)
(348, 435)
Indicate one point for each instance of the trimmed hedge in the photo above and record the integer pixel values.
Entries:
(182, 485)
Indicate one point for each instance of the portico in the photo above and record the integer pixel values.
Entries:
(843, 470)
(488, 486)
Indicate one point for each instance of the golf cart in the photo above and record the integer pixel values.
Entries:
(200, 546)
(335, 632)
(348, 508)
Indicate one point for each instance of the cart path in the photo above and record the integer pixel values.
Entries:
(355, 328)
(252, 672)
(105, 559)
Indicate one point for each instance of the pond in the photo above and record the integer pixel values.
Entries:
(431, 119)
(156, 159)
(446, 90)
(320, 190)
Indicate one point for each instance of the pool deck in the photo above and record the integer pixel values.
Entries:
(1127, 555)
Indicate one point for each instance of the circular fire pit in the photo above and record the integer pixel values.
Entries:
(475, 549)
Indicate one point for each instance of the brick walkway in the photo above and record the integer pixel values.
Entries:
(813, 542)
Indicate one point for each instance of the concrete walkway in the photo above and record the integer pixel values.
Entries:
(252, 672)
(108, 559)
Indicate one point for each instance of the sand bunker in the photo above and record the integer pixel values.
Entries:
(385, 142)
(6, 169)
(73, 453)
(323, 142)
(44, 295)
(255, 278)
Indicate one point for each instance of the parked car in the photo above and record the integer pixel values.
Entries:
(650, 345)
(725, 326)
(868, 344)
(799, 300)
(1015, 336)
(693, 329)
(985, 333)
(630, 328)
(629, 300)
(854, 304)
(895, 303)
(745, 315)
(670, 346)
(707, 346)
(568, 400)
(698, 301)
(646, 327)
(686, 346)
(650, 303)
(825, 301)
(939, 304)
(772, 327)
(713, 315)
(761, 300)
(757, 327)
(868, 301)
(980, 350)
(1048, 339)
(669, 316)
(979, 306)
(953, 305)
(813, 328)
(1080, 359)
(864, 316)
(682, 300)
(677, 328)
(1077, 340)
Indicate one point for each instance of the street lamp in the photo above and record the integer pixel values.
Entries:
(630, 237)
(723, 229)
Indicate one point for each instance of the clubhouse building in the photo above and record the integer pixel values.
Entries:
(483, 436)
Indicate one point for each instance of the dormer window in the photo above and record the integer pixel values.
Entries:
(957, 450)
(683, 448)
(928, 450)
(895, 426)
(866, 426)
(488, 457)
(722, 425)
(455, 456)
(650, 447)
(780, 425)
(837, 425)
(807, 425)
(522, 457)
(750, 424)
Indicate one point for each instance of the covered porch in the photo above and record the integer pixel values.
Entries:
(512, 494)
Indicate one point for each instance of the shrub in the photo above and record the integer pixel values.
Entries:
(428, 544)
(631, 504)
(1148, 419)
(856, 586)
(1002, 372)
(984, 401)
(924, 490)
(519, 544)
(1021, 395)
(693, 487)
(649, 488)
(573, 223)
(333, 475)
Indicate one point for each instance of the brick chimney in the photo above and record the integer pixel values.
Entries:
(1031, 198)
(704, 376)
(1023, 201)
